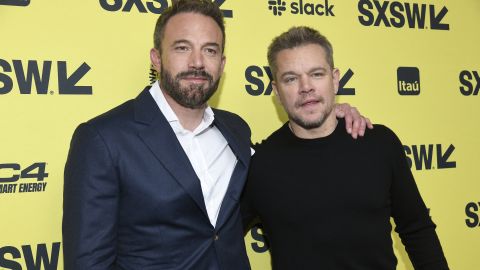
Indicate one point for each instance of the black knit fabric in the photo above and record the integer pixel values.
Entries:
(326, 203)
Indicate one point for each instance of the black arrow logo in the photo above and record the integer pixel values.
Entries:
(19, 3)
(67, 85)
(343, 81)
(442, 159)
(435, 20)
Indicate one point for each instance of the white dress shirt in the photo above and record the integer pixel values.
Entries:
(208, 152)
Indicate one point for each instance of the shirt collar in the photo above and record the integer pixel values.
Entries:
(159, 97)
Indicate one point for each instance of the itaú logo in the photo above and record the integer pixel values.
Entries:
(408, 80)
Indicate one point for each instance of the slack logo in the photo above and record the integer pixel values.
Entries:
(301, 7)
(408, 81)
(19, 3)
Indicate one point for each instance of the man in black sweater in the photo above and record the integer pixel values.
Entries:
(325, 200)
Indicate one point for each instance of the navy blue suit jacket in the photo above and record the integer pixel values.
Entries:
(133, 201)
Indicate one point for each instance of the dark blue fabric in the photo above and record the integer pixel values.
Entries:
(133, 201)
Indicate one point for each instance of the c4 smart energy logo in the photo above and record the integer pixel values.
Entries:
(17, 179)
(408, 79)
(20, 3)
(301, 7)
(153, 6)
(402, 14)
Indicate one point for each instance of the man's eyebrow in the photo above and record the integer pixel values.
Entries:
(214, 44)
(320, 68)
(179, 41)
(286, 73)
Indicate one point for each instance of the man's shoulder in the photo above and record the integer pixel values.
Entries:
(273, 141)
(381, 136)
(228, 117)
(127, 112)
(114, 117)
(380, 131)
(232, 120)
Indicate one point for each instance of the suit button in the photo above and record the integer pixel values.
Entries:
(215, 237)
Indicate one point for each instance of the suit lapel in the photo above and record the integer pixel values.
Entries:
(241, 149)
(162, 141)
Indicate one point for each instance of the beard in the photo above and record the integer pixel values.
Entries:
(194, 96)
(311, 124)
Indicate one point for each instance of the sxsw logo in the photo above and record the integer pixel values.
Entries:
(470, 81)
(20, 3)
(408, 79)
(260, 81)
(261, 243)
(422, 156)
(472, 211)
(33, 257)
(301, 7)
(30, 72)
(153, 6)
(400, 14)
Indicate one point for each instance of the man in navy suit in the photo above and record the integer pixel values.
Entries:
(155, 182)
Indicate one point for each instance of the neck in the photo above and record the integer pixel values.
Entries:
(325, 129)
(189, 118)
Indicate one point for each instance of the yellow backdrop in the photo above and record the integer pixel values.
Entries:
(411, 65)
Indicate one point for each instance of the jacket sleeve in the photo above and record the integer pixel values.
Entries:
(413, 223)
(90, 203)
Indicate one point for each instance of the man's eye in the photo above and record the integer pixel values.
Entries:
(181, 48)
(317, 74)
(289, 79)
(211, 51)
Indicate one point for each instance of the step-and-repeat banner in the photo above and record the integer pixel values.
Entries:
(412, 65)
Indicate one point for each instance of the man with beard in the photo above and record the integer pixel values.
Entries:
(155, 182)
(324, 199)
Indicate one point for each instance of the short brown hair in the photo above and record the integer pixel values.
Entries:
(296, 37)
(204, 7)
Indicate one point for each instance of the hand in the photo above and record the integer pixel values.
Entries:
(354, 122)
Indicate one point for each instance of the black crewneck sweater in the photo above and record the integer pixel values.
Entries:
(326, 203)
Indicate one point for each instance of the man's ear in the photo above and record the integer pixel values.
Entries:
(156, 59)
(222, 64)
(336, 79)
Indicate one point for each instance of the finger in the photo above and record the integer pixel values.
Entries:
(348, 123)
(356, 126)
(369, 123)
(339, 111)
(363, 126)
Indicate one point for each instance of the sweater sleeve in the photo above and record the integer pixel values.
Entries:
(413, 223)
(249, 215)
